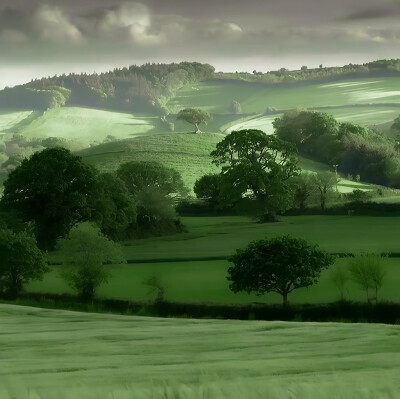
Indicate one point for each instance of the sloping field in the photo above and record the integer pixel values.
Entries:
(188, 153)
(216, 96)
(9, 118)
(79, 355)
(92, 125)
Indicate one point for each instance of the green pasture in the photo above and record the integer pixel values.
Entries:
(10, 118)
(188, 153)
(216, 96)
(205, 281)
(220, 236)
(91, 125)
(50, 354)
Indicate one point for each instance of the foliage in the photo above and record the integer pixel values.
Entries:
(252, 160)
(156, 286)
(395, 127)
(142, 88)
(339, 278)
(141, 175)
(53, 189)
(367, 271)
(114, 207)
(208, 187)
(324, 182)
(21, 262)
(304, 188)
(85, 251)
(355, 149)
(281, 264)
(358, 196)
(194, 117)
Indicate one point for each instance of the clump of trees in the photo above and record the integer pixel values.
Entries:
(54, 190)
(356, 150)
(281, 264)
(140, 88)
(368, 272)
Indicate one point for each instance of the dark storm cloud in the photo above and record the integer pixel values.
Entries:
(231, 34)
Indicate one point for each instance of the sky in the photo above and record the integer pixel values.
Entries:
(42, 38)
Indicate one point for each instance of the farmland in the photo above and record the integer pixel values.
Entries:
(190, 280)
(77, 355)
(215, 96)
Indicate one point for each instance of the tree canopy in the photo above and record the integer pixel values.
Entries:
(194, 116)
(54, 189)
(259, 163)
(21, 261)
(85, 251)
(281, 264)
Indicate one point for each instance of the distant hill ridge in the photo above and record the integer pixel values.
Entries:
(149, 87)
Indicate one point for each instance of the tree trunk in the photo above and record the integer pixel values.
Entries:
(285, 300)
(197, 128)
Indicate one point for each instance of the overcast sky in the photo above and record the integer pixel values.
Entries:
(41, 38)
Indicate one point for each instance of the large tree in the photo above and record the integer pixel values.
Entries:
(21, 261)
(281, 264)
(260, 165)
(194, 116)
(54, 189)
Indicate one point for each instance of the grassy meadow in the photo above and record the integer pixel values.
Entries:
(176, 260)
(215, 96)
(188, 153)
(81, 355)
(92, 125)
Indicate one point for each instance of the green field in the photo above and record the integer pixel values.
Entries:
(196, 281)
(50, 354)
(205, 281)
(9, 118)
(91, 125)
(188, 153)
(216, 96)
(220, 236)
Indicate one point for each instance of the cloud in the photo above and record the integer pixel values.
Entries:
(12, 36)
(373, 13)
(53, 25)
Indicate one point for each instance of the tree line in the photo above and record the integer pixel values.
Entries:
(145, 88)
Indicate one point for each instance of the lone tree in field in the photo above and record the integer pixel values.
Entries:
(85, 251)
(21, 262)
(194, 116)
(54, 189)
(281, 264)
(260, 165)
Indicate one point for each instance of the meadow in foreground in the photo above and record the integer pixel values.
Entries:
(79, 355)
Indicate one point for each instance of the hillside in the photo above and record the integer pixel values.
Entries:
(186, 152)
(84, 356)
